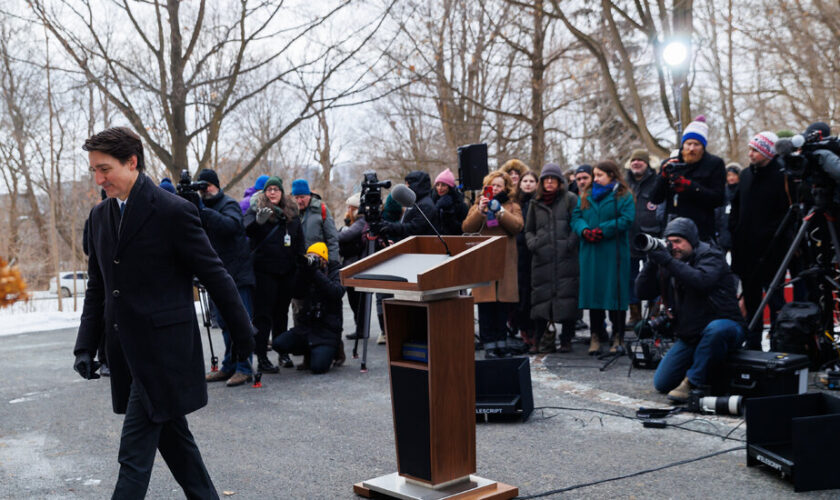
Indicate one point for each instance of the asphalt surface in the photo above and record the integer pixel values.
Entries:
(307, 436)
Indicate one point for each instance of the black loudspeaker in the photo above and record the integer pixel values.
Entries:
(472, 166)
(797, 437)
(503, 389)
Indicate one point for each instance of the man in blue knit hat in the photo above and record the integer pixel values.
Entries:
(316, 219)
(692, 184)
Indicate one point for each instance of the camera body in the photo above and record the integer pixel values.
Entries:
(186, 185)
(802, 162)
(673, 170)
(370, 203)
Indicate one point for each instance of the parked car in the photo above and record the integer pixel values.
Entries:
(66, 286)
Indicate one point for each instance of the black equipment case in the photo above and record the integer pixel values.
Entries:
(758, 374)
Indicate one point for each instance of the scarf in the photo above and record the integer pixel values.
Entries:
(548, 198)
(600, 192)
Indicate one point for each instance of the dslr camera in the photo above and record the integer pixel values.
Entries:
(186, 185)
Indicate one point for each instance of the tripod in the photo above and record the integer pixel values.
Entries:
(204, 302)
(818, 217)
(365, 305)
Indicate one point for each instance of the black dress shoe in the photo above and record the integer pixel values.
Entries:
(286, 361)
(264, 365)
(353, 336)
(105, 371)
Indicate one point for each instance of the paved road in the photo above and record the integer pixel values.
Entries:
(305, 436)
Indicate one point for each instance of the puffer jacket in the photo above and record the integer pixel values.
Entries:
(555, 270)
(450, 210)
(321, 308)
(222, 221)
(317, 227)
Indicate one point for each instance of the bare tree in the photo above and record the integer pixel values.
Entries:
(188, 62)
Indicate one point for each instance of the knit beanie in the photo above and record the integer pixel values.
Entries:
(684, 228)
(319, 248)
(446, 177)
(585, 169)
(355, 200)
(552, 170)
(209, 176)
(166, 184)
(820, 127)
(260, 184)
(734, 167)
(697, 130)
(640, 154)
(273, 181)
(765, 143)
(392, 210)
(783, 134)
(300, 186)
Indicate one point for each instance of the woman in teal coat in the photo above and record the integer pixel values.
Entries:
(603, 218)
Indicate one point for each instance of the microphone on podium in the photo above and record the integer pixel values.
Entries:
(403, 195)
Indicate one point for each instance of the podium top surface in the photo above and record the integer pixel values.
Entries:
(420, 264)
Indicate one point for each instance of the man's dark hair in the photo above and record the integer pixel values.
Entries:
(120, 142)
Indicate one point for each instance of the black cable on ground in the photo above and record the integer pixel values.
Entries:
(632, 474)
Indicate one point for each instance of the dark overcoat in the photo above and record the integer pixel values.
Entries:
(554, 257)
(140, 298)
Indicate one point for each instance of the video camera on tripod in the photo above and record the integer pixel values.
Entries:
(370, 199)
(811, 156)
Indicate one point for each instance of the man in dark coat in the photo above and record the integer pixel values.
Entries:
(145, 247)
(649, 219)
(221, 217)
(757, 211)
(692, 184)
(700, 297)
(413, 223)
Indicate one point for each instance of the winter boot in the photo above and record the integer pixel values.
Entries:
(617, 343)
(264, 364)
(548, 339)
(594, 345)
(635, 317)
(681, 393)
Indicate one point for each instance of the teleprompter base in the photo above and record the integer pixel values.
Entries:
(395, 486)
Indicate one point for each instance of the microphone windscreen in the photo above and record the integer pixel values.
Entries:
(403, 195)
(784, 146)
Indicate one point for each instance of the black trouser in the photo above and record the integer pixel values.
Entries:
(596, 323)
(492, 324)
(320, 356)
(271, 307)
(141, 437)
(753, 294)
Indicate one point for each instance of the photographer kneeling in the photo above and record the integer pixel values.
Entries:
(700, 297)
(318, 331)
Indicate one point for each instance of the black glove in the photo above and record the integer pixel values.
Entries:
(85, 366)
(660, 256)
(245, 347)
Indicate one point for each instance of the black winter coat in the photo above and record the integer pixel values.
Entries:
(222, 220)
(724, 232)
(450, 210)
(699, 290)
(698, 202)
(140, 298)
(757, 211)
(413, 223)
(523, 263)
(648, 219)
(271, 255)
(320, 315)
(352, 242)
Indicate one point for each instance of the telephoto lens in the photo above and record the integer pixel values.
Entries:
(722, 405)
(645, 242)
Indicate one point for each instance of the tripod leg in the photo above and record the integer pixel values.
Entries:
(366, 302)
(204, 302)
(834, 241)
(780, 274)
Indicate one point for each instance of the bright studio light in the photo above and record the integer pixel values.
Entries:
(675, 53)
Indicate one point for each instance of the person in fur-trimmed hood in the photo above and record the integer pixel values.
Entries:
(273, 226)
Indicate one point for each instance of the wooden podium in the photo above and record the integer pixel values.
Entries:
(433, 401)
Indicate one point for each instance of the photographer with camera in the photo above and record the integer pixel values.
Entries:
(221, 218)
(757, 212)
(317, 331)
(699, 294)
(352, 244)
(412, 222)
(273, 226)
(692, 184)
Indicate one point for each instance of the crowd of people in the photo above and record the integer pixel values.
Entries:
(569, 250)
